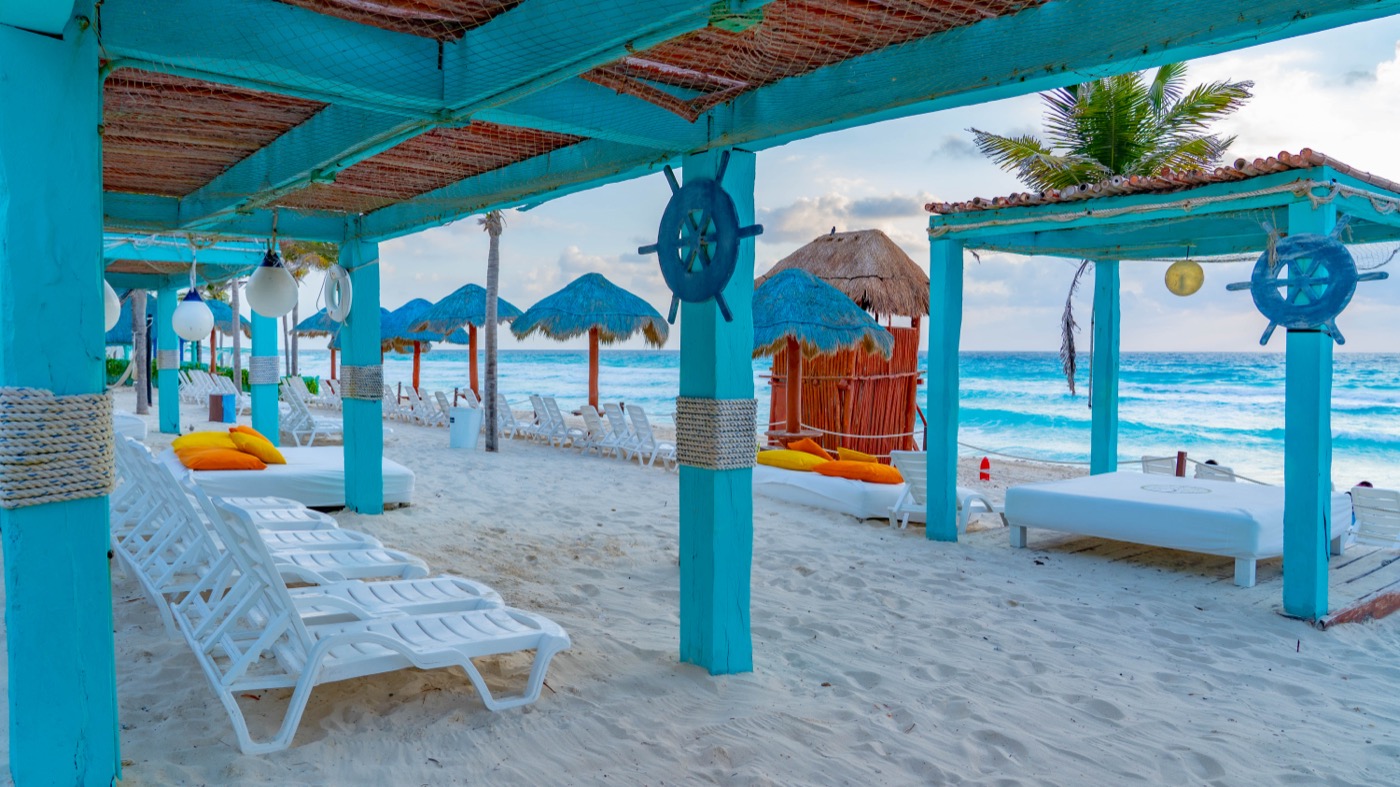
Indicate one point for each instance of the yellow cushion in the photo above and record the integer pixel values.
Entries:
(789, 460)
(852, 455)
(247, 430)
(204, 440)
(870, 472)
(259, 447)
(810, 446)
(219, 459)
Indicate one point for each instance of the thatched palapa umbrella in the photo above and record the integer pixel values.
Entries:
(593, 305)
(868, 267)
(796, 310)
(465, 307)
(223, 323)
(121, 332)
(402, 330)
(319, 324)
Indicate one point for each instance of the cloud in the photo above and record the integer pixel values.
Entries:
(803, 220)
(955, 146)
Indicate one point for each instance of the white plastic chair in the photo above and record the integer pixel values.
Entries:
(561, 432)
(646, 443)
(506, 424)
(1377, 516)
(1214, 472)
(913, 465)
(623, 442)
(301, 423)
(1159, 465)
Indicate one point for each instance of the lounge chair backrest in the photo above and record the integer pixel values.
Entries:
(913, 465)
(1215, 472)
(1377, 516)
(442, 404)
(503, 412)
(616, 420)
(542, 418)
(597, 430)
(1159, 465)
(552, 407)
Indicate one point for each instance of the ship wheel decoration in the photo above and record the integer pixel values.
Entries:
(1304, 283)
(698, 241)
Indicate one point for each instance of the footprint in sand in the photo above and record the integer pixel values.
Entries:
(866, 680)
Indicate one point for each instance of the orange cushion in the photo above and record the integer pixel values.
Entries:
(871, 472)
(219, 459)
(248, 430)
(203, 440)
(852, 455)
(259, 447)
(810, 446)
(789, 460)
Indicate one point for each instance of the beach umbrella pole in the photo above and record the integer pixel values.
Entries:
(417, 356)
(332, 363)
(593, 367)
(471, 345)
(794, 386)
(213, 349)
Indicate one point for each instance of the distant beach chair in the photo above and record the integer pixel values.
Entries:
(393, 409)
(913, 465)
(506, 425)
(596, 432)
(302, 423)
(623, 441)
(646, 443)
(248, 634)
(1159, 465)
(1377, 515)
(1214, 472)
(560, 429)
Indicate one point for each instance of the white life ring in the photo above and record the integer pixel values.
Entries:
(337, 293)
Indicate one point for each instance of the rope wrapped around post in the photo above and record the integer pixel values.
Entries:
(167, 359)
(54, 448)
(716, 434)
(263, 370)
(365, 383)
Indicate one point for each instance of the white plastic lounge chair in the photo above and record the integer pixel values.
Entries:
(562, 433)
(248, 635)
(506, 424)
(647, 446)
(1377, 515)
(622, 441)
(303, 424)
(1214, 472)
(595, 433)
(422, 413)
(444, 409)
(1159, 465)
(540, 426)
(913, 465)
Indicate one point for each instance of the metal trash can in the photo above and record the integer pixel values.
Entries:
(463, 427)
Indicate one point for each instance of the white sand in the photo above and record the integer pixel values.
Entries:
(880, 658)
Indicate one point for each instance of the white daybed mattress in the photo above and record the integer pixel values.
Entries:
(856, 498)
(313, 476)
(1237, 520)
(129, 425)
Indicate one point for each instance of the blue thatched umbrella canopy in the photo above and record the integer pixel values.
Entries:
(121, 332)
(318, 324)
(385, 325)
(403, 330)
(223, 318)
(595, 306)
(465, 307)
(795, 310)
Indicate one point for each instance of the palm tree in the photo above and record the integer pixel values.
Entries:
(300, 258)
(493, 222)
(1121, 125)
(236, 306)
(138, 349)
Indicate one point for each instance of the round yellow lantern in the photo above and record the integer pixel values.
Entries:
(1185, 277)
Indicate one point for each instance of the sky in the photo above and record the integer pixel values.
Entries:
(1337, 92)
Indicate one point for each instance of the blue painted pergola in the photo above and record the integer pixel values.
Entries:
(356, 121)
(1229, 211)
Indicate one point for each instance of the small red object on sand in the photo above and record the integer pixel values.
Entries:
(984, 472)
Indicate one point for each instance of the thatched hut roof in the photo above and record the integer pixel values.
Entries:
(794, 303)
(866, 265)
(591, 301)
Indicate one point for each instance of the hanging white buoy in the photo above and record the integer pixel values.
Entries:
(111, 306)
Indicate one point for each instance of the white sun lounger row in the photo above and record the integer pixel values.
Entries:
(196, 386)
(625, 435)
(217, 569)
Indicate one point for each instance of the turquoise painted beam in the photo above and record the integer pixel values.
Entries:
(264, 392)
(145, 281)
(944, 337)
(228, 254)
(62, 694)
(146, 214)
(1307, 449)
(1103, 396)
(168, 345)
(359, 341)
(716, 506)
(584, 109)
(41, 16)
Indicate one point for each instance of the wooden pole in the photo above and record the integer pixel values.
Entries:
(1103, 452)
(794, 386)
(471, 343)
(593, 367)
(333, 351)
(213, 350)
(62, 689)
(1180, 464)
(417, 358)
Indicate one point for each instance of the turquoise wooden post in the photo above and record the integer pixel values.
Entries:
(1307, 448)
(361, 374)
(716, 506)
(941, 441)
(58, 602)
(1103, 399)
(168, 360)
(263, 376)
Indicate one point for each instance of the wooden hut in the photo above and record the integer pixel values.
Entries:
(857, 399)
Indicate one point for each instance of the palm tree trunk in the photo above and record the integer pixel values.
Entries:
(138, 350)
(296, 343)
(493, 283)
(233, 302)
(286, 345)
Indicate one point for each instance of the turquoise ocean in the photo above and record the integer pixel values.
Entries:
(1226, 407)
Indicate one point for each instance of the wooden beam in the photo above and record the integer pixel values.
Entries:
(62, 689)
(716, 506)
(944, 338)
(1103, 453)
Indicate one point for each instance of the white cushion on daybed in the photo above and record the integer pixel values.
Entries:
(855, 498)
(313, 476)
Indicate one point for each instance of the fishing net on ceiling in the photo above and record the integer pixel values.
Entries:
(387, 133)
